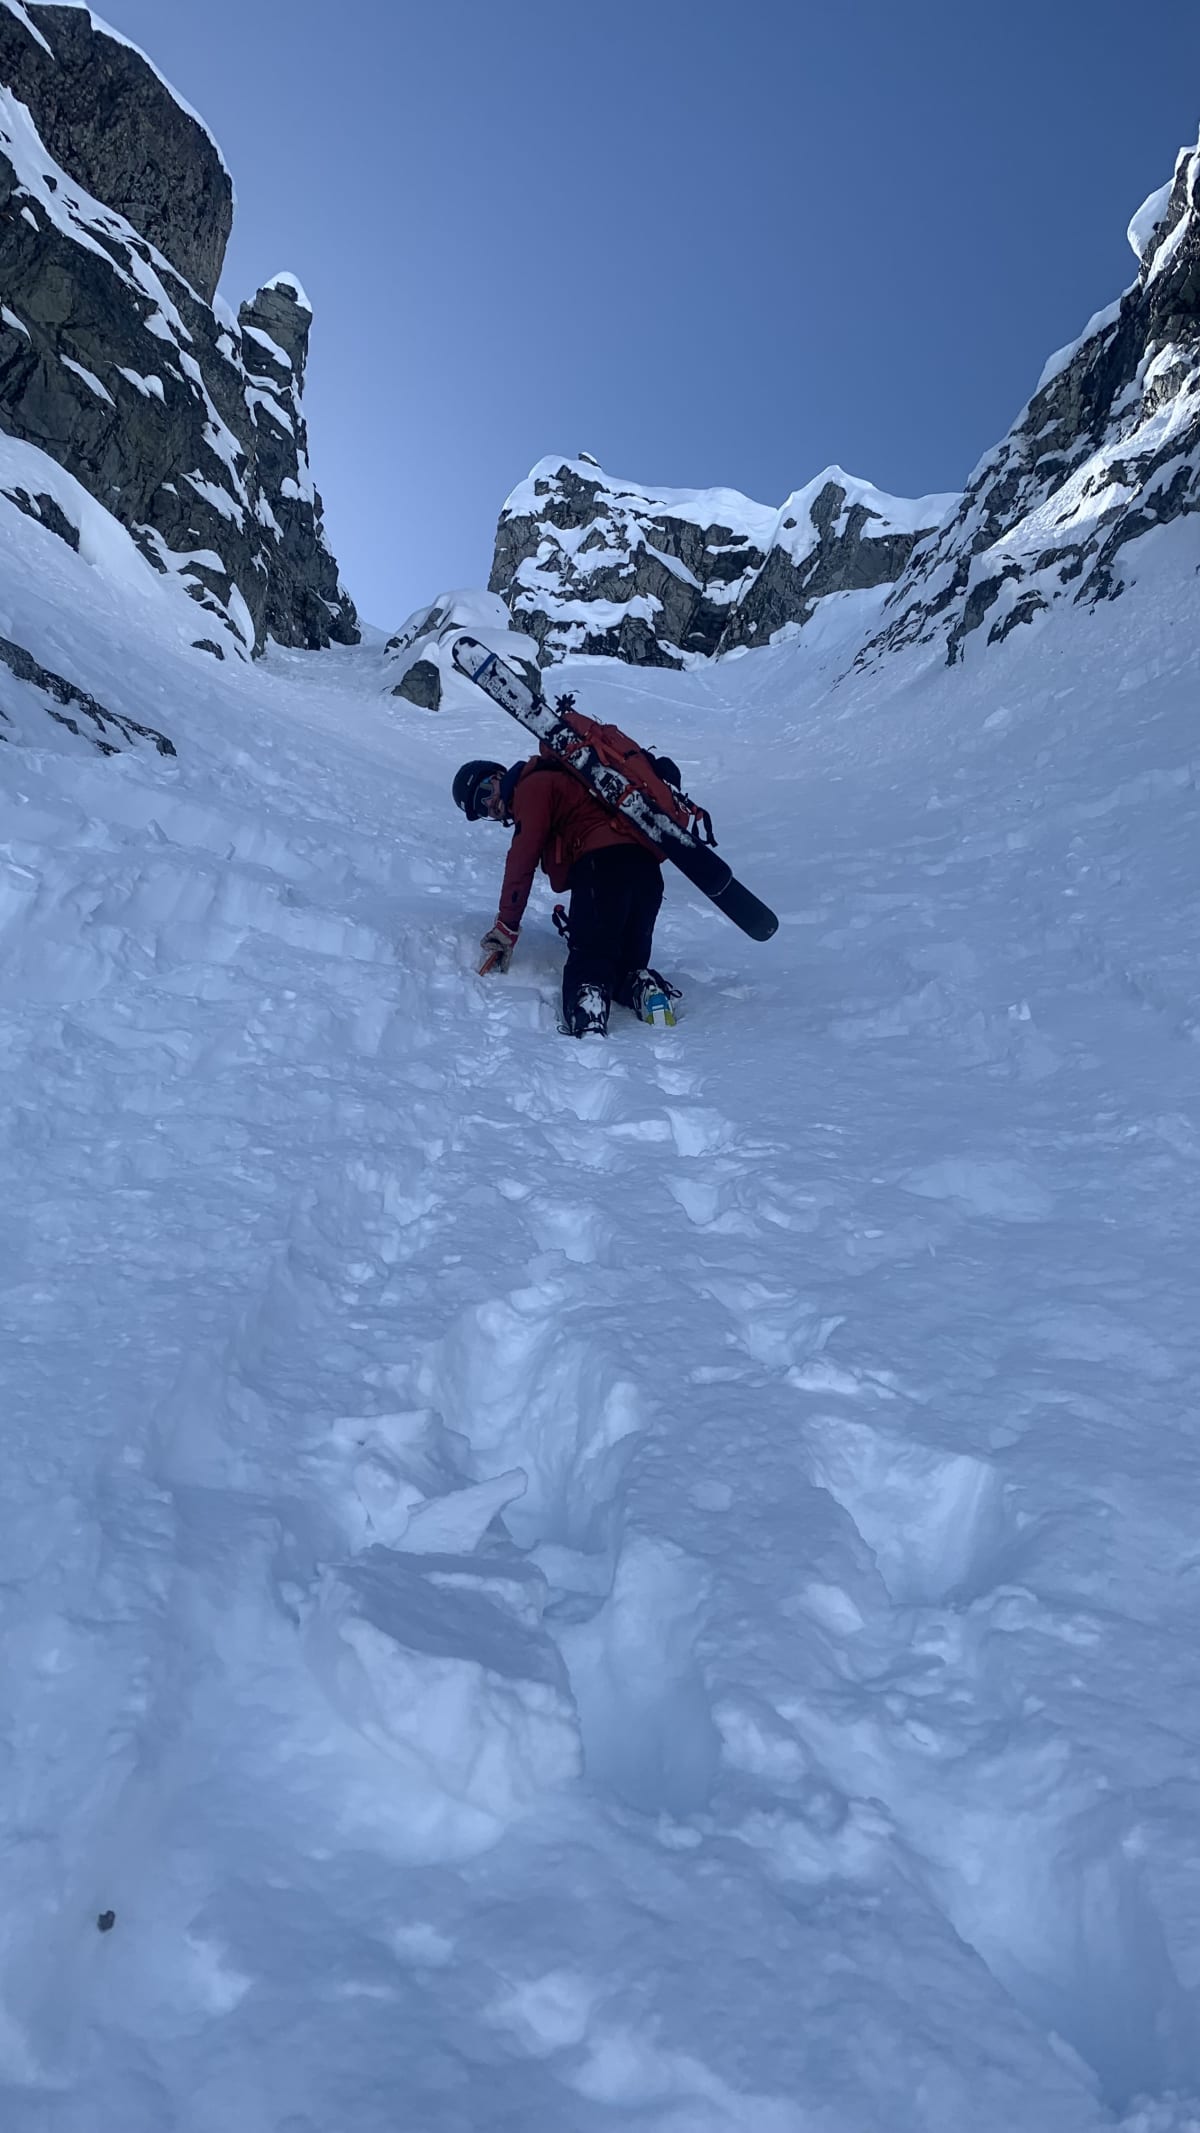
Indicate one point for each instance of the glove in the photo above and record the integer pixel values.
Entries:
(497, 948)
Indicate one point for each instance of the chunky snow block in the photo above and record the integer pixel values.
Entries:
(704, 867)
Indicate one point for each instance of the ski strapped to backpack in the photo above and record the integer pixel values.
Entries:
(625, 778)
(655, 776)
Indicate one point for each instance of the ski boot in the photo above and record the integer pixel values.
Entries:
(651, 997)
(588, 1016)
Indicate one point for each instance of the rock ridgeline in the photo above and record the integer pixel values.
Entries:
(117, 358)
(588, 564)
(1107, 449)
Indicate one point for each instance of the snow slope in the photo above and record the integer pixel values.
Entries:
(648, 1584)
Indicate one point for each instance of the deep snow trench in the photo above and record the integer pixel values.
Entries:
(641, 1584)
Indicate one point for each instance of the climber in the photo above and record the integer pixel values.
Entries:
(614, 878)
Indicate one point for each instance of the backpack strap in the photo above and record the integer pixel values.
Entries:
(701, 820)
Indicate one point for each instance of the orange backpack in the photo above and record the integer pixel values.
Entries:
(655, 777)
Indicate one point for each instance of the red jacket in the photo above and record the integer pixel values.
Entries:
(556, 821)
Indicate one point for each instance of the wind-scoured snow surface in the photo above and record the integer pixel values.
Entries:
(648, 1584)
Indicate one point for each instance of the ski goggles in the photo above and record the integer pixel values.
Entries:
(481, 797)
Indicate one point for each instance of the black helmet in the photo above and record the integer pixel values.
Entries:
(467, 782)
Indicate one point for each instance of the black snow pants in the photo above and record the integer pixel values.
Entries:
(615, 898)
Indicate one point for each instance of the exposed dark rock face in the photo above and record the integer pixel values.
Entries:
(305, 603)
(421, 684)
(591, 565)
(106, 117)
(182, 421)
(856, 550)
(633, 573)
(68, 706)
(1108, 448)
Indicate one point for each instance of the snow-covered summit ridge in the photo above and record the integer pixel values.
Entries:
(737, 513)
(291, 285)
(901, 514)
(593, 563)
(701, 507)
(1107, 449)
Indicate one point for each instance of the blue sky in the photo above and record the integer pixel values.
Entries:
(707, 243)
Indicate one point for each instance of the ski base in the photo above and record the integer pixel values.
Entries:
(707, 871)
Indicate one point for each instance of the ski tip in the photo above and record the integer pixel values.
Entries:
(474, 659)
(463, 649)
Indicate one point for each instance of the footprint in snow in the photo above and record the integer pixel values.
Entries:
(575, 1229)
(998, 1189)
(672, 1079)
(697, 1131)
(554, 1089)
(937, 1523)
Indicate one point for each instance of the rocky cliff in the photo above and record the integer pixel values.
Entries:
(1107, 449)
(117, 358)
(590, 564)
(106, 115)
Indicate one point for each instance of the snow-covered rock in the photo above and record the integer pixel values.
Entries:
(1108, 448)
(837, 535)
(49, 698)
(1149, 219)
(417, 661)
(185, 422)
(31, 693)
(589, 563)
